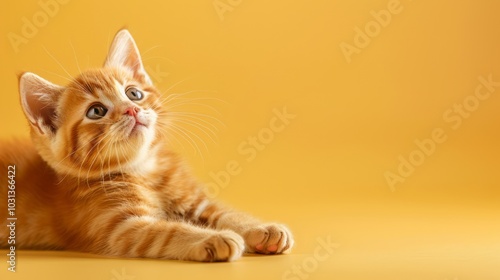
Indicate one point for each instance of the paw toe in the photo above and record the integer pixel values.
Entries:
(269, 239)
(220, 247)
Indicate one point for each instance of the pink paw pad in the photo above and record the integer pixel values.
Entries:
(272, 248)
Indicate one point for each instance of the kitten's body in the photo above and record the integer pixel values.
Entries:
(32, 180)
(105, 181)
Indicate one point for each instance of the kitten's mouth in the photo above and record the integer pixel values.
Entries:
(136, 126)
(138, 123)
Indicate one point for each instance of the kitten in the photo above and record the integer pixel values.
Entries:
(99, 177)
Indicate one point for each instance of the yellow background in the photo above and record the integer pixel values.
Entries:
(323, 174)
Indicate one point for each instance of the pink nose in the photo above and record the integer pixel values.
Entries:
(132, 111)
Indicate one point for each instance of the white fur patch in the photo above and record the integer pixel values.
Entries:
(201, 207)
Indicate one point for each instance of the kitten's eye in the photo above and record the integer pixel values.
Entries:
(96, 111)
(134, 94)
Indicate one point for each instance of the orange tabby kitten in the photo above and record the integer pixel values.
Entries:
(99, 177)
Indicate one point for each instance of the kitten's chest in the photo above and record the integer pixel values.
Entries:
(116, 191)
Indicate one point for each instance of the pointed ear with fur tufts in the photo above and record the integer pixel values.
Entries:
(39, 101)
(124, 53)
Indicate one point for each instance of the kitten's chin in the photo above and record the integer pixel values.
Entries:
(137, 130)
(138, 140)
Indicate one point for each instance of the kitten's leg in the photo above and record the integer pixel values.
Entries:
(150, 237)
(264, 238)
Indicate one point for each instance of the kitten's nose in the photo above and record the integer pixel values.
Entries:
(132, 111)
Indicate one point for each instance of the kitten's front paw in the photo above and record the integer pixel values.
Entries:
(268, 239)
(225, 245)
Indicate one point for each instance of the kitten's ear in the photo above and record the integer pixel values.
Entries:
(125, 54)
(39, 101)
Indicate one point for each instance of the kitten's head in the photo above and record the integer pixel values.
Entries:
(104, 121)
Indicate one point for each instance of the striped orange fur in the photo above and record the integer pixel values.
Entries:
(98, 176)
